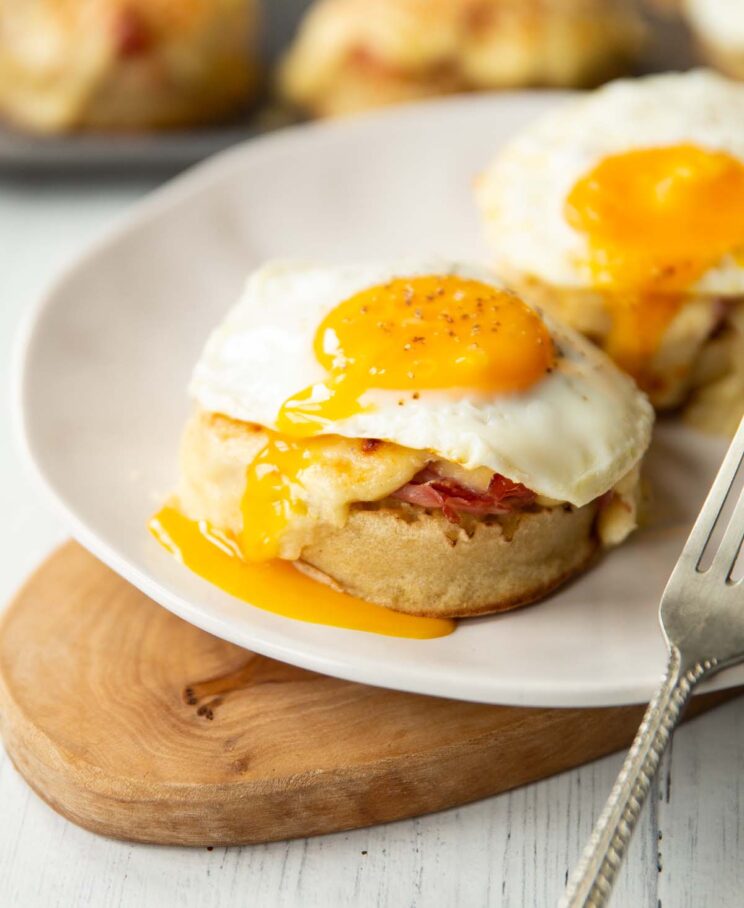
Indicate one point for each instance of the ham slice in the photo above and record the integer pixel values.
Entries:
(429, 490)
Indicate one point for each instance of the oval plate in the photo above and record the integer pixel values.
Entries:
(105, 360)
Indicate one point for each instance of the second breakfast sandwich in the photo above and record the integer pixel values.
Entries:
(623, 213)
(352, 55)
(416, 435)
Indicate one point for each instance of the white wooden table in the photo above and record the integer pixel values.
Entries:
(512, 850)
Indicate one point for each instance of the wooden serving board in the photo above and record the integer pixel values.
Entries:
(134, 724)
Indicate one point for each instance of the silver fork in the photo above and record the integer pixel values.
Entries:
(702, 618)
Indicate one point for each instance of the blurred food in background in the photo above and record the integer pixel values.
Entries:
(125, 64)
(718, 27)
(354, 54)
(99, 72)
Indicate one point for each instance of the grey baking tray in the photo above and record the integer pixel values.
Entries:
(132, 152)
(669, 48)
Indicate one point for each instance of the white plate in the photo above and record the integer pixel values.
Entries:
(105, 362)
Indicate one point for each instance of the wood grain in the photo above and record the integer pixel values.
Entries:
(134, 724)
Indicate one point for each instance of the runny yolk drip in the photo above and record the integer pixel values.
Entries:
(277, 586)
(420, 333)
(273, 494)
(656, 220)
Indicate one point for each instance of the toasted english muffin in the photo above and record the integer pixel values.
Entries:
(403, 556)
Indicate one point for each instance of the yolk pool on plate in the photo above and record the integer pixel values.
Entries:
(656, 220)
(277, 586)
(421, 333)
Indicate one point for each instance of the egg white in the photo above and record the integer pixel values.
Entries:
(523, 192)
(571, 436)
(719, 21)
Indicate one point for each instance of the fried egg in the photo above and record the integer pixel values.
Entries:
(651, 170)
(720, 22)
(435, 357)
(634, 194)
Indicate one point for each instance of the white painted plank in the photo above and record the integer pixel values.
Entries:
(700, 815)
(512, 850)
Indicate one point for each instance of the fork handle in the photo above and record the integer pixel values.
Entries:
(592, 880)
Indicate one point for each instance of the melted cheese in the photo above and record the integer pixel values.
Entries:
(272, 492)
(292, 486)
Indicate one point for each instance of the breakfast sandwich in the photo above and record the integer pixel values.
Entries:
(351, 55)
(718, 27)
(623, 213)
(125, 64)
(416, 436)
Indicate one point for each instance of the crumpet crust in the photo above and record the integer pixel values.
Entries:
(418, 562)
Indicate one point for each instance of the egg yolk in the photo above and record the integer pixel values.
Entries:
(656, 219)
(415, 334)
(277, 586)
